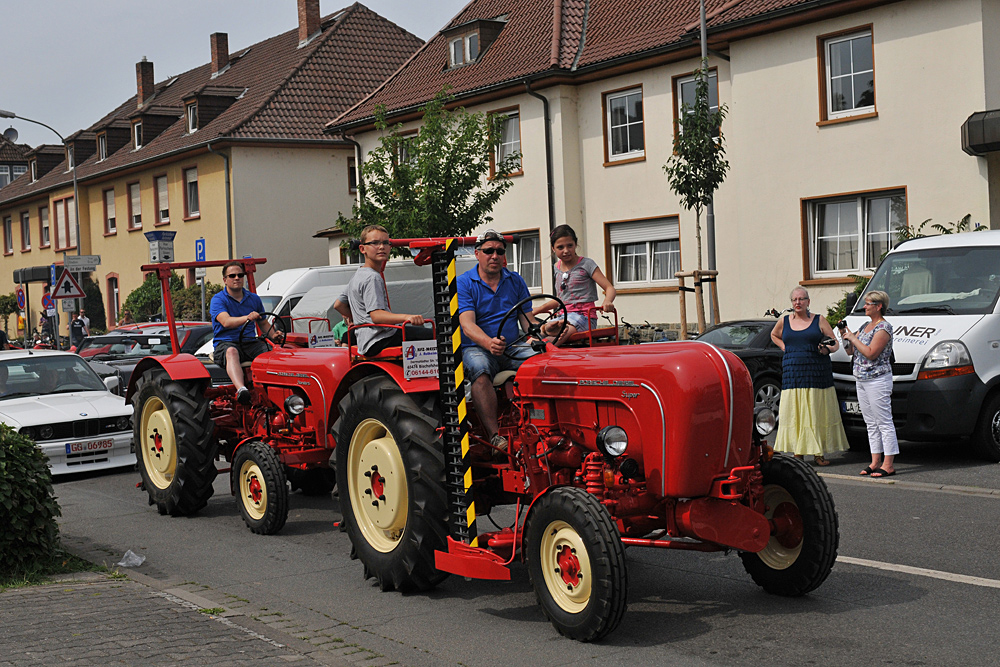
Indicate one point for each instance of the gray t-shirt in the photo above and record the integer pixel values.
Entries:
(576, 288)
(365, 293)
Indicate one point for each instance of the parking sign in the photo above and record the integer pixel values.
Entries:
(199, 250)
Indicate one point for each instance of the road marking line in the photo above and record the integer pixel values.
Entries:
(922, 572)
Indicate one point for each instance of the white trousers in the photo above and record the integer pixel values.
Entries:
(875, 397)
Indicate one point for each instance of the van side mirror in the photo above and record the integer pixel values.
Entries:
(852, 300)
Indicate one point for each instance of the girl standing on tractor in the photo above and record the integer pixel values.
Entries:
(576, 280)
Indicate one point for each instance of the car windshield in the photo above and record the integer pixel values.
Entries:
(953, 281)
(124, 346)
(43, 375)
(733, 335)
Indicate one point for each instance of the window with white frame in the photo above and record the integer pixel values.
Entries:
(352, 175)
(34, 170)
(850, 74)
(510, 139)
(102, 147)
(137, 135)
(192, 207)
(19, 169)
(8, 236)
(110, 220)
(65, 210)
(645, 252)
(687, 95)
(525, 258)
(192, 117)
(43, 227)
(134, 206)
(464, 49)
(624, 121)
(4, 175)
(162, 201)
(25, 231)
(848, 234)
(70, 158)
(114, 297)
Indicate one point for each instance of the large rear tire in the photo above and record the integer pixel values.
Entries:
(576, 562)
(261, 490)
(174, 443)
(390, 473)
(804, 531)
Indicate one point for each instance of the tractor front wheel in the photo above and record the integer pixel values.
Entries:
(804, 532)
(390, 473)
(577, 564)
(174, 444)
(261, 490)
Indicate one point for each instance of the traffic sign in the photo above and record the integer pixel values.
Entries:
(199, 250)
(200, 272)
(47, 302)
(52, 275)
(21, 300)
(69, 305)
(161, 246)
(81, 263)
(67, 287)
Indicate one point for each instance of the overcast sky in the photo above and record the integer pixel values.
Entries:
(67, 63)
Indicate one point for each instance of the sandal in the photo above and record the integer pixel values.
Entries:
(867, 470)
(878, 473)
(820, 461)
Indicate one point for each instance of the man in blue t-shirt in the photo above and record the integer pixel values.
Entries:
(232, 309)
(485, 293)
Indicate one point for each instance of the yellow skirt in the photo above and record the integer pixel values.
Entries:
(809, 422)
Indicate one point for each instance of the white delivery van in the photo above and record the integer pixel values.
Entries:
(946, 342)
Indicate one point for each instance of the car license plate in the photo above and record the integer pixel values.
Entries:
(90, 446)
(852, 407)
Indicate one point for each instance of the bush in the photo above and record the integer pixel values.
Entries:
(28, 508)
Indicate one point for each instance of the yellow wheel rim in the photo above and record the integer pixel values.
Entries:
(566, 567)
(253, 490)
(377, 480)
(785, 545)
(159, 444)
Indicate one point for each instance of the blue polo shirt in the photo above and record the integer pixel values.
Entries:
(223, 303)
(490, 306)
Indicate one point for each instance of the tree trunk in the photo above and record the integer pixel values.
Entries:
(698, 293)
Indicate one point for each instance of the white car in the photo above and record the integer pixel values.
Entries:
(57, 400)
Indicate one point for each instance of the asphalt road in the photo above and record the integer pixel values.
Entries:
(916, 581)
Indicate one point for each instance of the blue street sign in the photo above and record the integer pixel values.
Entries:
(47, 302)
(20, 299)
(52, 274)
(160, 235)
(199, 250)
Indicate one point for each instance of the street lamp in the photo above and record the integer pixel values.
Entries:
(76, 194)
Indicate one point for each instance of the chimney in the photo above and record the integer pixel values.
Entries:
(220, 51)
(144, 81)
(308, 19)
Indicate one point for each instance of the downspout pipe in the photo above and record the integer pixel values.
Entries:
(548, 154)
(357, 163)
(229, 202)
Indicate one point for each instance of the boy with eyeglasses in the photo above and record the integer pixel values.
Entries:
(366, 300)
(232, 309)
(486, 292)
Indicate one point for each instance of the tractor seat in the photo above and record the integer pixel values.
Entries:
(584, 336)
(387, 353)
(243, 364)
(502, 377)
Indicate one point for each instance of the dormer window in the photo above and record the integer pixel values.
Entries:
(464, 49)
(192, 117)
(102, 147)
(137, 135)
(33, 166)
(469, 40)
(70, 158)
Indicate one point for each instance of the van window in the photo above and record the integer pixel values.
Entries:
(270, 302)
(959, 281)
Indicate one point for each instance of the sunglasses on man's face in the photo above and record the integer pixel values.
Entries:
(490, 251)
(236, 275)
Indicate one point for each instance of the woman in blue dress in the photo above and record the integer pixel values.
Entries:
(808, 414)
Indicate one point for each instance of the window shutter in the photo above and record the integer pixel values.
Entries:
(645, 230)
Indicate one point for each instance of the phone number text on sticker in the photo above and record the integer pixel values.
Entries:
(92, 446)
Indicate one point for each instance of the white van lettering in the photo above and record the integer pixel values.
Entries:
(916, 332)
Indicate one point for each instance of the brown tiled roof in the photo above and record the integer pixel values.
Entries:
(564, 38)
(11, 152)
(286, 93)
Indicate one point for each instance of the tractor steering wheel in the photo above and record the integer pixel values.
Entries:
(275, 321)
(534, 329)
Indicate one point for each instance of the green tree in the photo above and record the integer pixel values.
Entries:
(698, 164)
(94, 305)
(434, 183)
(187, 301)
(8, 307)
(144, 301)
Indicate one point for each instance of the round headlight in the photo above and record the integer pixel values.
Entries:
(295, 405)
(123, 424)
(612, 441)
(765, 420)
(28, 432)
(45, 432)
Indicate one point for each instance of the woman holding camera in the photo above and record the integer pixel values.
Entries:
(808, 414)
(871, 347)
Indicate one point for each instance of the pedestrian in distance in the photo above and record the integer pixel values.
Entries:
(77, 330)
(232, 309)
(576, 280)
(126, 318)
(367, 300)
(86, 320)
(808, 414)
(871, 348)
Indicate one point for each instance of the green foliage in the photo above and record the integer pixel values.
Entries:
(144, 301)
(434, 183)
(187, 301)
(94, 305)
(28, 508)
(698, 164)
(8, 307)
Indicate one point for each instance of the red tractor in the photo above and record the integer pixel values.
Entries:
(609, 446)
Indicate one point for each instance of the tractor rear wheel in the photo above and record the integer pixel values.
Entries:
(261, 491)
(577, 563)
(174, 444)
(804, 533)
(390, 473)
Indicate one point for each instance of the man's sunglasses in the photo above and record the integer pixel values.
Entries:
(490, 251)
(236, 275)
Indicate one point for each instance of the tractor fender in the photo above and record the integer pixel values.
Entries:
(232, 457)
(393, 371)
(177, 366)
